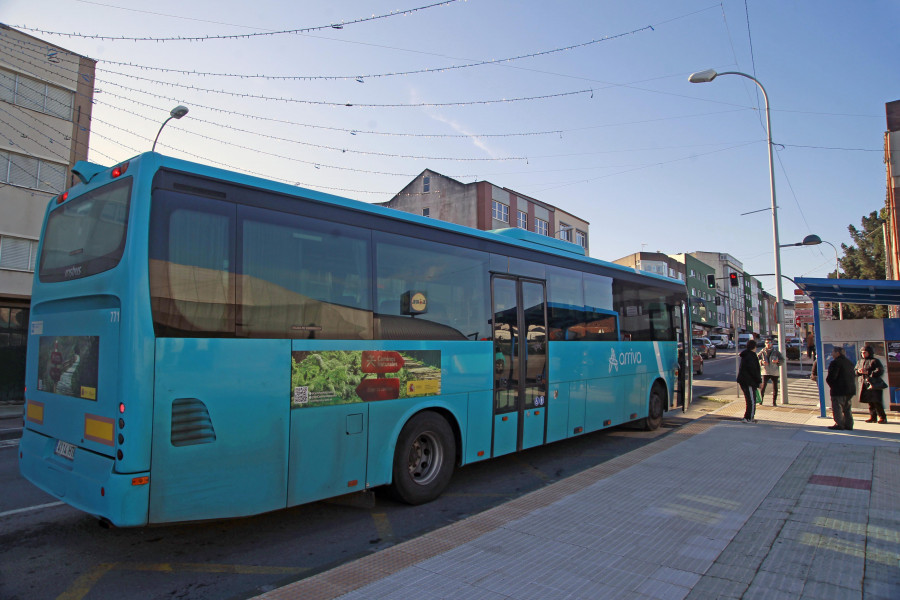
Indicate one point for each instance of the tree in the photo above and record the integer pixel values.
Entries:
(865, 260)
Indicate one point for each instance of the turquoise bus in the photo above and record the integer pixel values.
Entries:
(205, 344)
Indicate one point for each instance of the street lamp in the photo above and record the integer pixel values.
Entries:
(814, 240)
(176, 113)
(705, 77)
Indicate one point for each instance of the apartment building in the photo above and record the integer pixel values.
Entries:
(46, 94)
(486, 206)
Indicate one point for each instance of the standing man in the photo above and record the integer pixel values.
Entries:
(810, 345)
(770, 360)
(841, 379)
(749, 378)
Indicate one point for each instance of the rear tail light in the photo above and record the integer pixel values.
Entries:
(119, 170)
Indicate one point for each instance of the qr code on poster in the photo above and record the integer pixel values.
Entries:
(301, 396)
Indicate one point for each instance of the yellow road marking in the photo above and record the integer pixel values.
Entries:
(83, 585)
(383, 526)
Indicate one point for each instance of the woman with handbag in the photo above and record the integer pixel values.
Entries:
(870, 370)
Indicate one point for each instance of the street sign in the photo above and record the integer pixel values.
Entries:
(381, 361)
(370, 390)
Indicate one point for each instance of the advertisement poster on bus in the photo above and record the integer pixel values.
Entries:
(67, 365)
(331, 377)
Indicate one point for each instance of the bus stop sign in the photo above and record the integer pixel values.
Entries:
(381, 361)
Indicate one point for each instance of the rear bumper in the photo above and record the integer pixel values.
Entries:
(87, 483)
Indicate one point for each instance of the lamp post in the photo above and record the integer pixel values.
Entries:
(176, 113)
(705, 77)
(814, 240)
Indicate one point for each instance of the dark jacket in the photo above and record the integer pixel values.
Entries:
(841, 377)
(748, 372)
(872, 369)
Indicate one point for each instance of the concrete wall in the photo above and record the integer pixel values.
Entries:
(446, 199)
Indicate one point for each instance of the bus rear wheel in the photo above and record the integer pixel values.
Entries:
(423, 459)
(656, 409)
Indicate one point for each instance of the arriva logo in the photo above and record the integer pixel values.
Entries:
(73, 272)
(623, 358)
(613, 361)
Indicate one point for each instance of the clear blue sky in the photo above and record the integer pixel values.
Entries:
(618, 137)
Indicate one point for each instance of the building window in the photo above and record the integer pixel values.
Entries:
(523, 220)
(426, 212)
(565, 232)
(36, 95)
(17, 254)
(426, 184)
(500, 211)
(30, 172)
(581, 238)
(542, 227)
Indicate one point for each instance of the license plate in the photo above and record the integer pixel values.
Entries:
(65, 449)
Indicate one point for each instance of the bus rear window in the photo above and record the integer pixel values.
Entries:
(86, 235)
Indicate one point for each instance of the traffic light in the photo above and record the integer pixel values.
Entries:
(711, 281)
(732, 277)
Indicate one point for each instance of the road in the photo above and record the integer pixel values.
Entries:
(49, 550)
(718, 377)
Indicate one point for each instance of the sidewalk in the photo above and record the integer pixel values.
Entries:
(784, 508)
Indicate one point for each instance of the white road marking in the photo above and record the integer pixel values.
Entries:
(17, 511)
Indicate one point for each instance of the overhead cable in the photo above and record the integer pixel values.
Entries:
(205, 38)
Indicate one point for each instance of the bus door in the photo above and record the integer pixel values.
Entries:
(684, 387)
(520, 363)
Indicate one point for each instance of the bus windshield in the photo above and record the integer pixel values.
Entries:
(86, 236)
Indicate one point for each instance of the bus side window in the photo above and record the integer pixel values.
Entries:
(192, 284)
(303, 278)
(452, 280)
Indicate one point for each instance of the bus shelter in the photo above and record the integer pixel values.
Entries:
(848, 291)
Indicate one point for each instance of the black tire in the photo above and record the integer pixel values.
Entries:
(423, 459)
(699, 371)
(656, 409)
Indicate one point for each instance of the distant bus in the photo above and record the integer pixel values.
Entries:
(204, 344)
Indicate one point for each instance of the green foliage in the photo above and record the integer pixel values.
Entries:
(334, 372)
(865, 259)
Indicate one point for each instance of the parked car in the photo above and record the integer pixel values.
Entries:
(704, 347)
(721, 341)
(697, 362)
(742, 340)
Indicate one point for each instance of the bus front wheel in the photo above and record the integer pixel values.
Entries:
(656, 409)
(423, 459)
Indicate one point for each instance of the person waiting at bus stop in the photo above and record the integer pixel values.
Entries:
(870, 370)
(749, 377)
(770, 360)
(842, 381)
